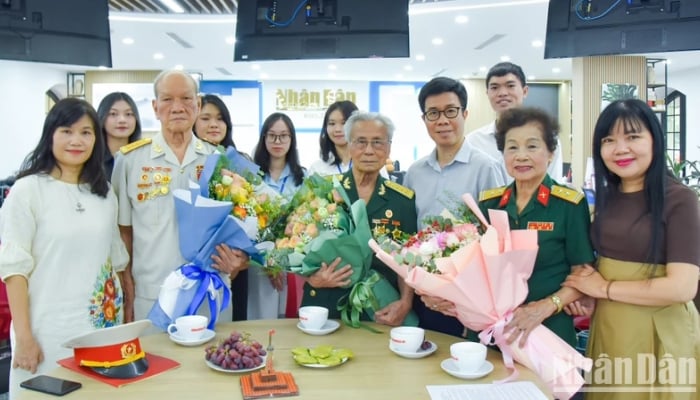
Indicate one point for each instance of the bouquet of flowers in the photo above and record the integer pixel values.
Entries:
(230, 205)
(487, 280)
(230, 177)
(322, 226)
(203, 224)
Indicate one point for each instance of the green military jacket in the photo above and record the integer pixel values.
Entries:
(391, 207)
(562, 219)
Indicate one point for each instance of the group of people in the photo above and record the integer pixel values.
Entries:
(76, 246)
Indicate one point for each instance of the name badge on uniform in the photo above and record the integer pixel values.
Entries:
(540, 226)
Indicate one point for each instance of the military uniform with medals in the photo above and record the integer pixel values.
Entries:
(145, 174)
(561, 217)
(391, 208)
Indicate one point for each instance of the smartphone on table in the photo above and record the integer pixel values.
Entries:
(50, 385)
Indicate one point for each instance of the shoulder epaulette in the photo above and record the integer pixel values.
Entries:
(492, 193)
(135, 145)
(566, 193)
(399, 188)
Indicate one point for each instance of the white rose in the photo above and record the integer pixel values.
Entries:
(427, 248)
(226, 180)
(452, 240)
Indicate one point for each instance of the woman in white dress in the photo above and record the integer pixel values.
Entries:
(61, 252)
(335, 155)
(276, 154)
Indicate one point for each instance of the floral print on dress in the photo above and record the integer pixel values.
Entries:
(106, 301)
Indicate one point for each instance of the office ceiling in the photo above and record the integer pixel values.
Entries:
(147, 35)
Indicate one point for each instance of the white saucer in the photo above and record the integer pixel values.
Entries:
(208, 335)
(418, 354)
(329, 327)
(449, 366)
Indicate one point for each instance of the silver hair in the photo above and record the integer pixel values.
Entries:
(361, 116)
(168, 72)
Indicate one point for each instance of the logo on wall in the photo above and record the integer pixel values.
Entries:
(310, 100)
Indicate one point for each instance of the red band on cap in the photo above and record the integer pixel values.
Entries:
(112, 355)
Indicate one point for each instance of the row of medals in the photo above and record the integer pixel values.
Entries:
(155, 182)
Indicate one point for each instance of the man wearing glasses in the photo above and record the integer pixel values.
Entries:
(506, 88)
(450, 170)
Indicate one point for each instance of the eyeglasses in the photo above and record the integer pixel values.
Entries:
(283, 139)
(377, 144)
(450, 112)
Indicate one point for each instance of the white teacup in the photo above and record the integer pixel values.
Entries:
(189, 327)
(468, 356)
(313, 317)
(406, 339)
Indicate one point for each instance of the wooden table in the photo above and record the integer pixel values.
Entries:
(374, 373)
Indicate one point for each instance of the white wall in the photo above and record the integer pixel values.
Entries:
(687, 82)
(22, 108)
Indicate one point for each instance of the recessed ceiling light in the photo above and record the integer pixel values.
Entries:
(179, 67)
(483, 69)
(461, 19)
(230, 40)
(128, 40)
(332, 67)
(505, 58)
(408, 67)
(537, 43)
(420, 57)
(556, 70)
(173, 6)
(158, 56)
(531, 77)
(437, 41)
(255, 67)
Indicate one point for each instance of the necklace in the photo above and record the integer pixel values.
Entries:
(78, 205)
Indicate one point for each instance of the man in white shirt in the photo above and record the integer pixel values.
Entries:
(506, 88)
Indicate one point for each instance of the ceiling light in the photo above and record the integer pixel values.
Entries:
(332, 67)
(556, 70)
(173, 6)
(255, 67)
(408, 67)
(505, 58)
(437, 41)
(128, 40)
(179, 67)
(537, 43)
(483, 69)
(461, 19)
(531, 77)
(230, 40)
(420, 57)
(158, 56)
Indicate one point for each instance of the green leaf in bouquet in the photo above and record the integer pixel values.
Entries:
(348, 248)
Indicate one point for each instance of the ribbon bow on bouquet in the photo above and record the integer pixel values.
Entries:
(203, 224)
(487, 281)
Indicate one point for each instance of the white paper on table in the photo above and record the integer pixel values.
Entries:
(504, 391)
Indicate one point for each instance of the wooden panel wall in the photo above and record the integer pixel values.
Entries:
(92, 77)
(589, 75)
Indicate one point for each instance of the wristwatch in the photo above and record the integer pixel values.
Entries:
(557, 302)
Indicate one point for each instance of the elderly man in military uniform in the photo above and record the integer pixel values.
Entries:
(145, 174)
(390, 208)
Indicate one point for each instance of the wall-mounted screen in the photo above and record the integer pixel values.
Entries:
(56, 31)
(321, 29)
(579, 28)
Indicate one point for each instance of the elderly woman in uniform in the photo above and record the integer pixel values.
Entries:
(389, 206)
(527, 138)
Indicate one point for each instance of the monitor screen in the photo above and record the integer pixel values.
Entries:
(579, 28)
(321, 29)
(56, 31)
